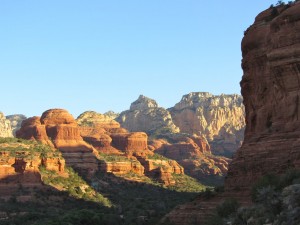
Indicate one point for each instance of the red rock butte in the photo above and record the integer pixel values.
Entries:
(58, 128)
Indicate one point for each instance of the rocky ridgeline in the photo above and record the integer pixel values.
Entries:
(5, 126)
(218, 118)
(145, 115)
(270, 88)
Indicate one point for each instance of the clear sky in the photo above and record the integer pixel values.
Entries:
(102, 54)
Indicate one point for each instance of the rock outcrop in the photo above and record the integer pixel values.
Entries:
(271, 90)
(219, 118)
(58, 128)
(5, 126)
(193, 154)
(145, 115)
(16, 121)
(19, 168)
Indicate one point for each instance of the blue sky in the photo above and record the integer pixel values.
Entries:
(101, 55)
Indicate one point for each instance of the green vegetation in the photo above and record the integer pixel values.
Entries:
(156, 156)
(276, 198)
(74, 185)
(68, 198)
(114, 158)
(26, 148)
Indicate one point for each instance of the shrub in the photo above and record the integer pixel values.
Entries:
(228, 207)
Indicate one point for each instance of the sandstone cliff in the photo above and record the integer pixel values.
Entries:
(145, 115)
(16, 121)
(219, 118)
(270, 89)
(5, 126)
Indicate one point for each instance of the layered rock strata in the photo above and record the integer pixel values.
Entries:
(5, 126)
(219, 118)
(271, 90)
(58, 128)
(19, 170)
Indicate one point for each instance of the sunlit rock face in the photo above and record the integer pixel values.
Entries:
(58, 128)
(145, 115)
(5, 126)
(219, 118)
(271, 90)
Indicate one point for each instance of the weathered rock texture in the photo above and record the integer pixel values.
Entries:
(58, 128)
(271, 90)
(19, 169)
(5, 126)
(193, 153)
(219, 118)
(16, 121)
(145, 115)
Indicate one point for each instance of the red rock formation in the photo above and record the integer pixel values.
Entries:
(123, 167)
(132, 143)
(32, 129)
(21, 170)
(271, 90)
(60, 126)
(99, 138)
(193, 153)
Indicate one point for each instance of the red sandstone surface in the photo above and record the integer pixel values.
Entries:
(270, 88)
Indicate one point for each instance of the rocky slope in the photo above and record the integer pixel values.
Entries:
(91, 118)
(5, 126)
(219, 118)
(145, 115)
(270, 88)
(16, 121)
(19, 167)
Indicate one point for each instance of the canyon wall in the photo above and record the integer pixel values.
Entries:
(271, 90)
(219, 118)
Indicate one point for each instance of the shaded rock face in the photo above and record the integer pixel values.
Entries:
(271, 89)
(220, 118)
(5, 126)
(145, 115)
(58, 128)
(16, 121)
(193, 154)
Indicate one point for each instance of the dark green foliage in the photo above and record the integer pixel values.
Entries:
(228, 207)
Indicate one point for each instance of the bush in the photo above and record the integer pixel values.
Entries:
(228, 207)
